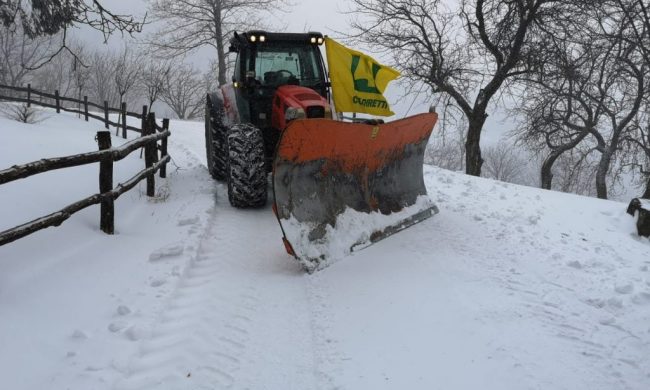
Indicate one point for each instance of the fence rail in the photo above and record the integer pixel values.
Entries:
(151, 135)
(29, 93)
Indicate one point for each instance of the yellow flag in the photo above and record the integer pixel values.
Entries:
(358, 81)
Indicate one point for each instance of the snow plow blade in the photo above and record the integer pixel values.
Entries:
(343, 186)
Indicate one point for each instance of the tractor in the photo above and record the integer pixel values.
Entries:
(275, 117)
(278, 77)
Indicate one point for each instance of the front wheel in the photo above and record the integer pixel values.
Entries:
(246, 166)
(215, 139)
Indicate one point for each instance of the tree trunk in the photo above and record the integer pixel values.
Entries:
(221, 53)
(601, 174)
(473, 159)
(546, 173)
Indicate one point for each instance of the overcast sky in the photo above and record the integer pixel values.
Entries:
(326, 16)
(304, 15)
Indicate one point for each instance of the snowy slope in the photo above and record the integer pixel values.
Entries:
(506, 288)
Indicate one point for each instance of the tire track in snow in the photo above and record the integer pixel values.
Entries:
(198, 338)
(242, 315)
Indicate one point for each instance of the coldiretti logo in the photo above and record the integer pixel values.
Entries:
(370, 103)
(366, 86)
(363, 85)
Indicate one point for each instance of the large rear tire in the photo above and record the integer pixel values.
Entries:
(246, 167)
(215, 141)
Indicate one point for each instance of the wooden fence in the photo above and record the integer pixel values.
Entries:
(151, 134)
(56, 101)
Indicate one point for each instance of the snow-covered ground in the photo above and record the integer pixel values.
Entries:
(506, 288)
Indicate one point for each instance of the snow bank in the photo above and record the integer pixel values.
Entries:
(353, 230)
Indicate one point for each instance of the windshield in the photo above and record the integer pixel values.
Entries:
(276, 65)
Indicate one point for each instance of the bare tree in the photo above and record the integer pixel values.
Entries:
(21, 113)
(575, 171)
(504, 163)
(65, 73)
(590, 90)
(127, 72)
(467, 54)
(556, 103)
(192, 24)
(637, 14)
(47, 18)
(184, 92)
(636, 145)
(447, 150)
(19, 54)
(80, 73)
(102, 71)
(153, 79)
(447, 155)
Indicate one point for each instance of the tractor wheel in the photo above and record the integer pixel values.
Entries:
(246, 166)
(215, 139)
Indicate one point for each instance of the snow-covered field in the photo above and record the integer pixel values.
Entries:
(506, 288)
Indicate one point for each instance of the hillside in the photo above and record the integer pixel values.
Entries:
(507, 287)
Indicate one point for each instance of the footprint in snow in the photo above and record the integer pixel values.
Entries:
(79, 335)
(136, 333)
(123, 310)
(157, 282)
(574, 264)
(172, 250)
(615, 303)
(642, 298)
(117, 326)
(188, 221)
(624, 288)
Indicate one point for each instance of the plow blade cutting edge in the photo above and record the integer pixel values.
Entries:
(342, 186)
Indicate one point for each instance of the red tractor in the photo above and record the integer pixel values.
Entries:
(275, 117)
(278, 78)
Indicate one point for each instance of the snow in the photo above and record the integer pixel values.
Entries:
(352, 230)
(645, 203)
(507, 287)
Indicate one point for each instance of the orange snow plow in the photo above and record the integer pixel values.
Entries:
(340, 186)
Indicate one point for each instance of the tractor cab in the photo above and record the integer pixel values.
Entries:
(275, 73)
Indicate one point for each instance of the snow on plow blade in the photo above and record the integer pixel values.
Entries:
(342, 186)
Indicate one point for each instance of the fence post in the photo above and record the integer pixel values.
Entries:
(29, 95)
(144, 118)
(163, 149)
(123, 119)
(58, 101)
(149, 151)
(86, 107)
(106, 114)
(107, 213)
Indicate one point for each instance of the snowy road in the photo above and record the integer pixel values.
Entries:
(507, 288)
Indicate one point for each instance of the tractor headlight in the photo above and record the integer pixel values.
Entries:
(320, 40)
(313, 40)
(262, 38)
(253, 38)
(294, 113)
